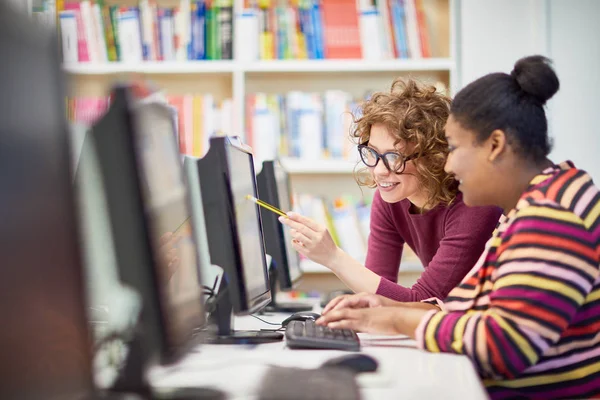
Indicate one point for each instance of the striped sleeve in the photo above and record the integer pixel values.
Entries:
(545, 266)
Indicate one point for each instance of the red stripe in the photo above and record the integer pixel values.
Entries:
(559, 183)
(581, 330)
(551, 241)
(531, 310)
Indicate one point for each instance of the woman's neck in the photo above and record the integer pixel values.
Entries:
(520, 179)
(418, 203)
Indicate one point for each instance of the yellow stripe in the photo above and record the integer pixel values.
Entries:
(539, 282)
(546, 379)
(593, 296)
(496, 242)
(538, 178)
(573, 188)
(518, 339)
(538, 211)
(459, 333)
(430, 340)
(593, 215)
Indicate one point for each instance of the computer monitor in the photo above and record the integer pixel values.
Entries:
(210, 275)
(44, 341)
(274, 188)
(235, 238)
(150, 223)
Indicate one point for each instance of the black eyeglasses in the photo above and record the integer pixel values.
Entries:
(394, 162)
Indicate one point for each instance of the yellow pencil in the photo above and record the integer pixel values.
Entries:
(266, 205)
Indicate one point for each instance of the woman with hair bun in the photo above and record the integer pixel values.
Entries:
(528, 316)
(402, 145)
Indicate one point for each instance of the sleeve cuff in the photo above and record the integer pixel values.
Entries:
(391, 290)
(420, 331)
(436, 302)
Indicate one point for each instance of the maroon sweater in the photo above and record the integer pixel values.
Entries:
(447, 239)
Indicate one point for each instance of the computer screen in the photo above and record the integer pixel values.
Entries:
(166, 204)
(243, 183)
(233, 224)
(44, 341)
(285, 204)
(150, 227)
(274, 188)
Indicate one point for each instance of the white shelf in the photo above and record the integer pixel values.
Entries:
(162, 67)
(425, 64)
(301, 166)
(227, 66)
(311, 267)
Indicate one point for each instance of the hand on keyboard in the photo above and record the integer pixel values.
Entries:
(305, 334)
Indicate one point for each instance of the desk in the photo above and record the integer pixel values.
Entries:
(404, 372)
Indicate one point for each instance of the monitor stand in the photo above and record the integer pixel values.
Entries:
(274, 306)
(221, 317)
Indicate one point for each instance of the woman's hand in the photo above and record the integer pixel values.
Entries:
(310, 239)
(359, 300)
(399, 320)
(380, 320)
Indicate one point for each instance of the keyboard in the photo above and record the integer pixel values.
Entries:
(308, 335)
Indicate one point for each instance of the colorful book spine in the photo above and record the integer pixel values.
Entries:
(198, 43)
(82, 45)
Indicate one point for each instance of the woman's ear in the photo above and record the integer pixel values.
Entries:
(497, 144)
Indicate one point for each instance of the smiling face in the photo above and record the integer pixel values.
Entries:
(394, 187)
(471, 164)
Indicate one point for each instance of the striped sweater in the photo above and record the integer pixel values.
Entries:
(528, 316)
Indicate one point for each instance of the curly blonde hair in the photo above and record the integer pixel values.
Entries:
(415, 113)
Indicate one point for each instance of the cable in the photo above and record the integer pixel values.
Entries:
(266, 322)
(211, 291)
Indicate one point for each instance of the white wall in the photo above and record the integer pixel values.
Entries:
(574, 112)
(495, 33)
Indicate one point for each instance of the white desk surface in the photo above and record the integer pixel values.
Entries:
(404, 372)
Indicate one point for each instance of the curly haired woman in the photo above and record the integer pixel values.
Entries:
(402, 143)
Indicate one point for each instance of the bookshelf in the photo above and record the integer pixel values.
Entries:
(275, 66)
(238, 78)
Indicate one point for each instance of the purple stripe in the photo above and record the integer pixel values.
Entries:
(550, 227)
(571, 392)
(446, 330)
(545, 297)
(507, 348)
(596, 232)
(563, 361)
(574, 391)
(585, 199)
(588, 313)
(546, 269)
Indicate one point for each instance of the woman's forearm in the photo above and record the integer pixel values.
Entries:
(409, 318)
(353, 273)
(417, 305)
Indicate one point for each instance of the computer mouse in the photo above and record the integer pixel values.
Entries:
(301, 316)
(358, 363)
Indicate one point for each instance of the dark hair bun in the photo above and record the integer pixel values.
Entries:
(535, 76)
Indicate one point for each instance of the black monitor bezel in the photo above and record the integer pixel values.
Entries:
(158, 347)
(218, 203)
(274, 236)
